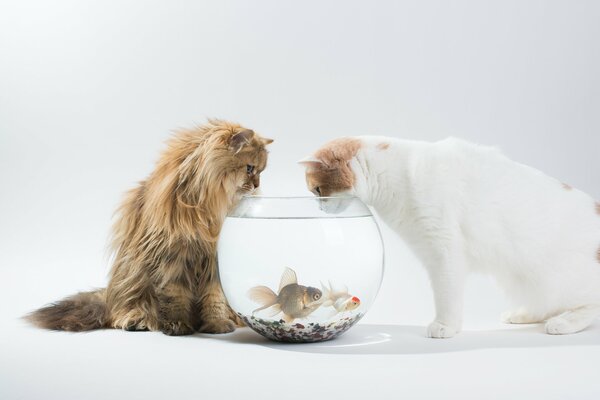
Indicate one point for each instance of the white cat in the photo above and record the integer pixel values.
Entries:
(462, 207)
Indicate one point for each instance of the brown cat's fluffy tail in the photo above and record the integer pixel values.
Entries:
(81, 312)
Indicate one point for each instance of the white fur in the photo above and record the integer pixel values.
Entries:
(463, 207)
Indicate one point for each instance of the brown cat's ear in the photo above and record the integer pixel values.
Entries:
(267, 141)
(311, 162)
(240, 139)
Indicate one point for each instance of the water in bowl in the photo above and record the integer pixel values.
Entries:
(340, 255)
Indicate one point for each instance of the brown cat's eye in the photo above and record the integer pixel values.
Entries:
(250, 169)
(318, 190)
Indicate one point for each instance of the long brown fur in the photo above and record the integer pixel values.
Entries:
(164, 274)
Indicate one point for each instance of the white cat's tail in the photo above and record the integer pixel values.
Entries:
(263, 296)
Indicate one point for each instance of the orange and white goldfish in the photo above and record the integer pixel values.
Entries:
(293, 300)
(351, 304)
(340, 300)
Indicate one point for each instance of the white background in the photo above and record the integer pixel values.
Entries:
(89, 90)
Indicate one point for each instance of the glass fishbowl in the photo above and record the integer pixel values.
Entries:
(300, 269)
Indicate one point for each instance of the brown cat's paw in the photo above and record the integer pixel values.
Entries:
(134, 321)
(176, 328)
(217, 326)
(237, 320)
(135, 327)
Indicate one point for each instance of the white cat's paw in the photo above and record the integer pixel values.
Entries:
(561, 326)
(518, 317)
(438, 330)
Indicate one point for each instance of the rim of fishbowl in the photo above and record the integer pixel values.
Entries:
(258, 196)
(289, 207)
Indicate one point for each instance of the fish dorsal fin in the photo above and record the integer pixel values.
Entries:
(288, 277)
(337, 292)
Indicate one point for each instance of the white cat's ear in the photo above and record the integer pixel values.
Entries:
(240, 139)
(310, 161)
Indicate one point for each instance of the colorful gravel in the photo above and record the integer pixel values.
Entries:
(297, 332)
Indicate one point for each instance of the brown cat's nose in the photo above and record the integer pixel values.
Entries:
(256, 181)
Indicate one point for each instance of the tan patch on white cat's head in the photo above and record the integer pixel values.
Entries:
(383, 146)
(338, 151)
(566, 186)
(328, 172)
(598, 207)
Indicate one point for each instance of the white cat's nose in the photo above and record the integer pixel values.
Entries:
(332, 205)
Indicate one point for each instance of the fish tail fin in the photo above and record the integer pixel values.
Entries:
(263, 296)
(326, 295)
(335, 292)
(339, 293)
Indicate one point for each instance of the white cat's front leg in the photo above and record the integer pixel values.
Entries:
(447, 281)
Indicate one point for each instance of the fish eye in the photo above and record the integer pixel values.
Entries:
(249, 169)
(316, 296)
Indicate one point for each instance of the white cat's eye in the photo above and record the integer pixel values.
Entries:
(249, 169)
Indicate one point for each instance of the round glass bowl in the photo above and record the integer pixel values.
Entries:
(300, 269)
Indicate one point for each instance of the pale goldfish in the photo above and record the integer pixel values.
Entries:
(339, 299)
(293, 300)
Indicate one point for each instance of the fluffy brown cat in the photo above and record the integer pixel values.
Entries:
(164, 274)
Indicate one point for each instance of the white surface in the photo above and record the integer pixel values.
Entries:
(368, 362)
(89, 90)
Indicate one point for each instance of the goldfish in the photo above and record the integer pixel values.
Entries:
(340, 300)
(293, 300)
